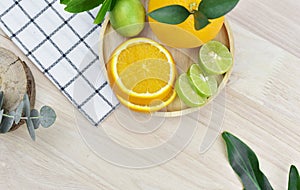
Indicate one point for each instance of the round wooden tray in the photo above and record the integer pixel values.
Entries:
(109, 40)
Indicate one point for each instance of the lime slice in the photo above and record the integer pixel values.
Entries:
(205, 85)
(186, 93)
(215, 58)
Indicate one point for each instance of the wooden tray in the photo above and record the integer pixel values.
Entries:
(109, 40)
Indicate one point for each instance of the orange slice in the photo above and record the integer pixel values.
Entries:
(140, 70)
(155, 105)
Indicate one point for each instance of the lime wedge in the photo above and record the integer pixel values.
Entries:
(215, 58)
(205, 85)
(186, 92)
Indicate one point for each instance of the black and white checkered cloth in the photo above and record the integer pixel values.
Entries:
(64, 47)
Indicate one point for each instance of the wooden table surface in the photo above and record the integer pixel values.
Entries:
(262, 108)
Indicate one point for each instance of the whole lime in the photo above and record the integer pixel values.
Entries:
(128, 17)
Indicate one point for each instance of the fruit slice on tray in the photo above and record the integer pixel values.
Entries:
(196, 87)
(187, 93)
(204, 85)
(155, 105)
(142, 73)
(215, 58)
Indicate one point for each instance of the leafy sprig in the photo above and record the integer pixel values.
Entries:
(78, 6)
(46, 117)
(207, 9)
(245, 164)
(173, 14)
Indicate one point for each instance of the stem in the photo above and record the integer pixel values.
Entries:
(193, 7)
(31, 117)
(35, 117)
(5, 115)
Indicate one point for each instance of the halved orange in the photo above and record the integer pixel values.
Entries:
(140, 71)
(155, 105)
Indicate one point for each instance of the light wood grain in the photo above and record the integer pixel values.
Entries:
(262, 108)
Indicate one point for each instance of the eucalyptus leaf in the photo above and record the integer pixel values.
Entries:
(26, 108)
(1, 115)
(19, 112)
(30, 128)
(78, 6)
(102, 12)
(1, 99)
(64, 1)
(172, 14)
(7, 123)
(47, 116)
(216, 8)
(34, 114)
(200, 20)
(294, 179)
(245, 163)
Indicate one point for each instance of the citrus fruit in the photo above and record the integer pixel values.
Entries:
(128, 17)
(183, 35)
(155, 105)
(186, 92)
(140, 71)
(215, 58)
(205, 85)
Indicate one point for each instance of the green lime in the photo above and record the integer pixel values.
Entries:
(215, 58)
(186, 92)
(205, 85)
(128, 17)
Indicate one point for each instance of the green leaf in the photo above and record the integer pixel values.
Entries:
(30, 128)
(1, 99)
(102, 12)
(200, 20)
(19, 112)
(245, 163)
(173, 14)
(7, 123)
(65, 2)
(294, 179)
(26, 108)
(36, 121)
(216, 8)
(47, 116)
(78, 6)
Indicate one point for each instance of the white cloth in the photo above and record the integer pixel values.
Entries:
(64, 47)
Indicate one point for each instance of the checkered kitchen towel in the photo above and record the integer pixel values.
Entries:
(64, 47)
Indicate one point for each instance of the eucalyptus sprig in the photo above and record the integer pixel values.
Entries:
(245, 163)
(207, 9)
(78, 6)
(46, 117)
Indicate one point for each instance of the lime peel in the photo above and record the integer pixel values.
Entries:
(186, 92)
(215, 58)
(204, 85)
